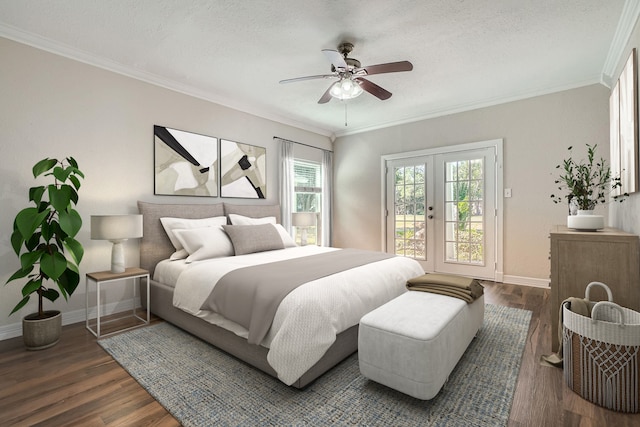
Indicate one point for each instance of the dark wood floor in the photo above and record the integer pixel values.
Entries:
(76, 383)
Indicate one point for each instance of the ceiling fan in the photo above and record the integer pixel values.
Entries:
(351, 75)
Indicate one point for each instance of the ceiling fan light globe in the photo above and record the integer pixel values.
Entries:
(345, 89)
(336, 90)
(356, 90)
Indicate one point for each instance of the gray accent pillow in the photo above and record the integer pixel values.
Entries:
(247, 239)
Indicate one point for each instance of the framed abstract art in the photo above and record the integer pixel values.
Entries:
(186, 163)
(242, 170)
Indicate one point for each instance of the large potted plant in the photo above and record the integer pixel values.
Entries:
(585, 184)
(44, 240)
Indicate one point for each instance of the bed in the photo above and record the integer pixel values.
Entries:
(156, 248)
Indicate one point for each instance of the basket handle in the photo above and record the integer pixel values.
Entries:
(594, 284)
(613, 305)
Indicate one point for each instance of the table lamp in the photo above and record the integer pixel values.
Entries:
(117, 229)
(303, 220)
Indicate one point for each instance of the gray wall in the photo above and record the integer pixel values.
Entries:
(51, 106)
(536, 133)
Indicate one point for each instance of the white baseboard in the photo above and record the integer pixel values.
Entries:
(527, 281)
(15, 329)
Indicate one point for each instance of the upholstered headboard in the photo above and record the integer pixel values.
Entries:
(156, 246)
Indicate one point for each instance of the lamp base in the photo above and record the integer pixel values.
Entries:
(117, 256)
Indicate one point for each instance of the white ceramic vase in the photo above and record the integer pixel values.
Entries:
(585, 221)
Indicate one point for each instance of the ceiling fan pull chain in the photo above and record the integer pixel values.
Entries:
(345, 112)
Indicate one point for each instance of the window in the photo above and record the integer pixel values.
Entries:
(307, 183)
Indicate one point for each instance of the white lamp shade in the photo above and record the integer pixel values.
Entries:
(116, 227)
(303, 219)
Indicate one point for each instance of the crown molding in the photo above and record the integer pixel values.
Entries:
(626, 24)
(462, 108)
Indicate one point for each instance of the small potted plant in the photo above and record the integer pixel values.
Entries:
(42, 236)
(585, 184)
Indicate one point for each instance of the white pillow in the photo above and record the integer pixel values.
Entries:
(204, 243)
(171, 224)
(287, 240)
(245, 220)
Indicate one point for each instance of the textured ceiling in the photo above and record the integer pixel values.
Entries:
(466, 53)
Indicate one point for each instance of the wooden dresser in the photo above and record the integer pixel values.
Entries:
(609, 256)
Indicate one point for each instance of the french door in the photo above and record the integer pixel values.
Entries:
(441, 210)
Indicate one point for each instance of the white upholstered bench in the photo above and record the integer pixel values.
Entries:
(413, 342)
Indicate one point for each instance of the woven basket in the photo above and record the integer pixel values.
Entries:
(602, 354)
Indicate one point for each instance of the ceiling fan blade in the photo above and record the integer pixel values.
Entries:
(299, 79)
(326, 97)
(391, 67)
(374, 89)
(335, 58)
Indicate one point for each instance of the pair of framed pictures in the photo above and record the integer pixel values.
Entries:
(190, 164)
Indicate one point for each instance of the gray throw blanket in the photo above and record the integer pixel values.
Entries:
(250, 296)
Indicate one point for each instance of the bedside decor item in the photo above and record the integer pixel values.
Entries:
(587, 184)
(303, 220)
(42, 235)
(243, 170)
(117, 229)
(186, 164)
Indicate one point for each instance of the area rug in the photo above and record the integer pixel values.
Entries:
(202, 386)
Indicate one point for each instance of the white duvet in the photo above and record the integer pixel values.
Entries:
(310, 317)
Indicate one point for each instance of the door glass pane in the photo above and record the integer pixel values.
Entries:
(477, 169)
(451, 171)
(464, 216)
(419, 174)
(409, 208)
(420, 202)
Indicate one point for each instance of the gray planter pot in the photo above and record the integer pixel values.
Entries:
(39, 334)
